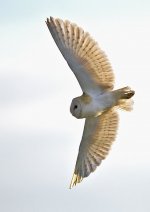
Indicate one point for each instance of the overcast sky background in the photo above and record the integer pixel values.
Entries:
(39, 138)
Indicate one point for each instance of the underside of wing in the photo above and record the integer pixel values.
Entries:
(83, 55)
(98, 135)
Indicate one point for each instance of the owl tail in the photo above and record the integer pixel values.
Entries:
(124, 98)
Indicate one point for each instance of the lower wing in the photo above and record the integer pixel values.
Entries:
(98, 135)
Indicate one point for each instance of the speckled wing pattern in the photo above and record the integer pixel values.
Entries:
(83, 55)
(98, 135)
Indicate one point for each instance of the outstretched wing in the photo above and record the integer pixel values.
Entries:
(83, 55)
(98, 135)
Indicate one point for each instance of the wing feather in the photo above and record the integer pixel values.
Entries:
(83, 55)
(98, 136)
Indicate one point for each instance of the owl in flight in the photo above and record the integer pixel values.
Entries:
(99, 102)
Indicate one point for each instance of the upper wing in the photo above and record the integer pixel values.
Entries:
(98, 135)
(88, 62)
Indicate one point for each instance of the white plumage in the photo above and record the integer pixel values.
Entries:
(99, 102)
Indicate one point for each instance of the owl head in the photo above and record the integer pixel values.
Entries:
(81, 107)
(76, 107)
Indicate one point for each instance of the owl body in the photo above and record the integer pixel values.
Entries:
(83, 108)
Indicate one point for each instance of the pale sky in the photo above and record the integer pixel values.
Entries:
(39, 138)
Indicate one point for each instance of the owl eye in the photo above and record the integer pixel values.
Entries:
(75, 107)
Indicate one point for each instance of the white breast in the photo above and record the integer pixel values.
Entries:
(98, 104)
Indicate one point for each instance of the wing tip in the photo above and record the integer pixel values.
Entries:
(49, 20)
(75, 179)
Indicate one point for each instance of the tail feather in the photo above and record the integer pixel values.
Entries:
(124, 98)
(127, 93)
(126, 104)
(124, 93)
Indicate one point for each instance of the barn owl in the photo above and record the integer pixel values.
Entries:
(99, 102)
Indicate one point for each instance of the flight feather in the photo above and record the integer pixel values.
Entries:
(98, 135)
(83, 55)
